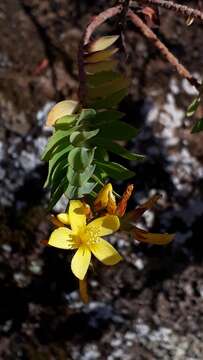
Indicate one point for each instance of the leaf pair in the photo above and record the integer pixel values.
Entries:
(106, 87)
(70, 161)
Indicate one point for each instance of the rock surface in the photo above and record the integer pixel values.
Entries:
(153, 307)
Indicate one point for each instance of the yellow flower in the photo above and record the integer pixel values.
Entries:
(86, 238)
(106, 199)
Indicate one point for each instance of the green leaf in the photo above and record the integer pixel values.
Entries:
(193, 107)
(77, 138)
(108, 88)
(75, 192)
(102, 43)
(114, 170)
(65, 122)
(99, 56)
(117, 130)
(80, 178)
(100, 66)
(86, 189)
(118, 149)
(58, 157)
(101, 154)
(59, 191)
(198, 126)
(105, 116)
(80, 158)
(58, 175)
(102, 78)
(111, 101)
(58, 137)
(71, 191)
(86, 115)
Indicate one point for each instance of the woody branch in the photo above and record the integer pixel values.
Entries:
(180, 9)
(152, 37)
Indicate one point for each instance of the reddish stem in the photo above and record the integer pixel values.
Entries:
(150, 35)
(181, 9)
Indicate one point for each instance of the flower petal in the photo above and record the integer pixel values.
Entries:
(64, 218)
(105, 252)
(55, 221)
(152, 238)
(135, 214)
(122, 205)
(104, 225)
(80, 262)
(62, 238)
(77, 215)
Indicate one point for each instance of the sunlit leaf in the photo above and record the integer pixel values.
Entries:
(102, 78)
(100, 66)
(80, 157)
(102, 43)
(58, 137)
(71, 191)
(57, 158)
(100, 56)
(86, 189)
(108, 88)
(79, 137)
(193, 107)
(63, 108)
(77, 178)
(65, 122)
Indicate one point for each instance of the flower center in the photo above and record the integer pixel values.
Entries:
(90, 236)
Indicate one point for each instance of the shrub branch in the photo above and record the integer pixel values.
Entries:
(152, 37)
(180, 9)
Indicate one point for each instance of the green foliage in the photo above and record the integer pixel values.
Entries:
(78, 150)
(198, 126)
(191, 111)
(192, 108)
(58, 138)
(117, 149)
(115, 171)
(65, 122)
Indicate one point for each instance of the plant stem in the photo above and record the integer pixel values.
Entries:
(170, 5)
(150, 35)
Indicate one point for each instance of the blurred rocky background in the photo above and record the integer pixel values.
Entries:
(151, 305)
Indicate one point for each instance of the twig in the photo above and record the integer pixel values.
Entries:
(122, 24)
(181, 9)
(93, 25)
(150, 35)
